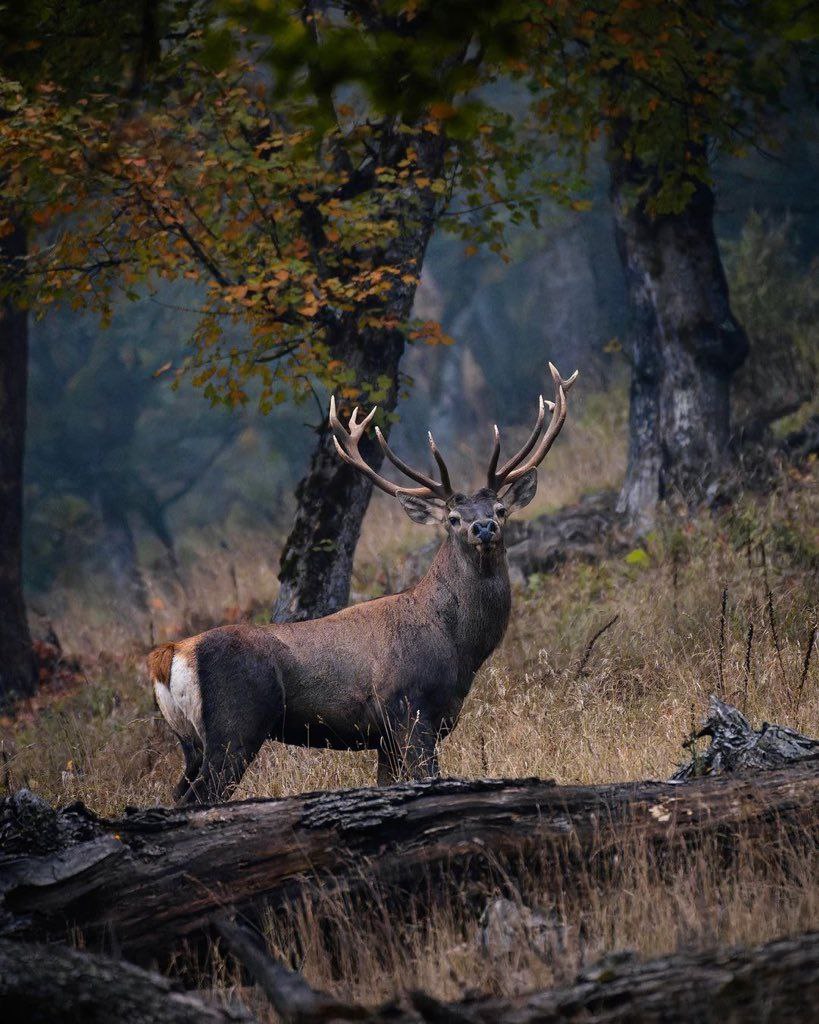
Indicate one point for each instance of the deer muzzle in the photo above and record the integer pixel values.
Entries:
(484, 532)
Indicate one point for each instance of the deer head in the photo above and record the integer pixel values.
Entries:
(475, 523)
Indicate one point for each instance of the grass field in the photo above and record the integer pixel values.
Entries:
(544, 705)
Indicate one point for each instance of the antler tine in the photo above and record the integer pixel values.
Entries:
(445, 482)
(493, 458)
(442, 490)
(406, 469)
(521, 465)
(346, 442)
(494, 478)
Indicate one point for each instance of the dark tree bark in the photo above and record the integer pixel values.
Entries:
(685, 342)
(18, 673)
(154, 878)
(777, 981)
(332, 498)
(55, 985)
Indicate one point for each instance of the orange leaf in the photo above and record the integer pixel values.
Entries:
(441, 110)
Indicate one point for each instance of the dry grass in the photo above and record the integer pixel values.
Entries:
(220, 575)
(365, 953)
(533, 711)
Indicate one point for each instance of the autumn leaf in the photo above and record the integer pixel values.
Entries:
(442, 111)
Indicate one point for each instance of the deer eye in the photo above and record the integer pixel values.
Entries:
(455, 519)
(500, 511)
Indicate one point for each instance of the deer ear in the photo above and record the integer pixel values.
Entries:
(521, 492)
(420, 510)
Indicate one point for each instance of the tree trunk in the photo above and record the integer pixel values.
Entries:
(18, 673)
(332, 498)
(685, 343)
(156, 877)
(55, 985)
(120, 548)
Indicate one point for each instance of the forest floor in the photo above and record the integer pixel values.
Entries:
(549, 703)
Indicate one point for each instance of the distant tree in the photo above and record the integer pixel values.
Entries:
(104, 456)
(17, 664)
(777, 299)
(52, 56)
(668, 85)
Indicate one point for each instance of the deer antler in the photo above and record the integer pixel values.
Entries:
(513, 469)
(346, 442)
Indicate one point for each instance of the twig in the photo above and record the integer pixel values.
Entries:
(771, 616)
(747, 666)
(691, 743)
(587, 653)
(722, 643)
(806, 665)
(289, 994)
(4, 757)
(674, 589)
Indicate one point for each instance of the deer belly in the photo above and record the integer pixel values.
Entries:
(336, 720)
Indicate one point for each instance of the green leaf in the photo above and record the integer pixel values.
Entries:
(638, 557)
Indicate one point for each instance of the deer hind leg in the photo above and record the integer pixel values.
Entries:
(194, 753)
(223, 766)
(408, 752)
(233, 737)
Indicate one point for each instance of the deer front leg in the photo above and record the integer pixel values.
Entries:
(408, 752)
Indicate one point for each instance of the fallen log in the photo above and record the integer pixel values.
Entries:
(154, 877)
(55, 985)
(777, 981)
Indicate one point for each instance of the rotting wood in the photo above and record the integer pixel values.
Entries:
(155, 877)
(776, 981)
(288, 992)
(737, 746)
(56, 985)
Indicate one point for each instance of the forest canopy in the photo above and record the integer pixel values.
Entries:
(252, 193)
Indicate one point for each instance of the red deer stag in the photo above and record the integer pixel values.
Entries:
(390, 674)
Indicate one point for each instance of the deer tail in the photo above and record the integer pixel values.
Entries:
(159, 663)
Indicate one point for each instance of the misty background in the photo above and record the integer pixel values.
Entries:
(140, 496)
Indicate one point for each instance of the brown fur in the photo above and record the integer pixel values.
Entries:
(159, 663)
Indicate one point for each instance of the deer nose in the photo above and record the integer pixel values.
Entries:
(484, 530)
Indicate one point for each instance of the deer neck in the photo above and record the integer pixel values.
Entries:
(470, 597)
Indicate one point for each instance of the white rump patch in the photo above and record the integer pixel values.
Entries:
(181, 701)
